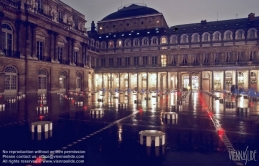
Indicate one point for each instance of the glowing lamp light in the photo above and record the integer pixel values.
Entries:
(140, 110)
(85, 107)
(41, 117)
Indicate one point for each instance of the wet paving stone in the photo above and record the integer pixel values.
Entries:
(112, 139)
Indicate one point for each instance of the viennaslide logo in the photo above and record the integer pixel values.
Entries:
(247, 155)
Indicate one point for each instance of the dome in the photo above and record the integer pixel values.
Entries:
(130, 11)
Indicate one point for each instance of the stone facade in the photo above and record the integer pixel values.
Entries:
(42, 40)
(202, 56)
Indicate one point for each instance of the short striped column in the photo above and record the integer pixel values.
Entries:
(96, 111)
(169, 115)
(41, 128)
(79, 103)
(122, 105)
(152, 138)
(230, 104)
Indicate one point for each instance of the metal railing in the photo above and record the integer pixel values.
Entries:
(11, 53)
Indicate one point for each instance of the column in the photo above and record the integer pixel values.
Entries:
(249, 79)
(89, 61)
(212, 80)
(72, 52)
(156, 80)
(1, 47)
(119, 81)
(137, 81)
(68, 50)
(128, 82)
(201, 77)
(147, 80)
(18, 25)
(167, 81)
(83, 53)
(33, 41)
(55, 46)
(178, 80)
(190, 81)
(224, 81)
(102, 82)
(51, 45)
(237, 78)
(110, 81)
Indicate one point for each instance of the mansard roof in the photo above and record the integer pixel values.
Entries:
(131, 11)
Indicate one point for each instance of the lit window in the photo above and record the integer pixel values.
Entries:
(163, 60)
(119, 43)
(163, 40)
(111, 45)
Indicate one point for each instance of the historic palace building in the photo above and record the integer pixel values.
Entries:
(138, 50)
(45, 47)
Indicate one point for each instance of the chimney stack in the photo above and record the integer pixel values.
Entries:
(203, 21)
(251, 17)
(92, 26)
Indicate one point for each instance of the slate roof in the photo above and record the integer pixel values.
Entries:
(130, 11)
(241, 23)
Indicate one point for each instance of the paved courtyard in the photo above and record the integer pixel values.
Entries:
(205, 132)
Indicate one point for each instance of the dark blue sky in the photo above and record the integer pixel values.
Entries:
(175, 11)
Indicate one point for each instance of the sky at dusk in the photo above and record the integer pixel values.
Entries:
(175, 11)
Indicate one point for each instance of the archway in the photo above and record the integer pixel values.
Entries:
(42, 81)
(10, 81)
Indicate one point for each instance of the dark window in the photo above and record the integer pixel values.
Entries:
(154, 60)
(127, 60)
(60, 54)
(102, 62)
(40, 50)
(136, 61)
(110, 62)
(145, 60)
(118, 61)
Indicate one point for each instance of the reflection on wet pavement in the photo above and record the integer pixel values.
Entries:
(107, 124)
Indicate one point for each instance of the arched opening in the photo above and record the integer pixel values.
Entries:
(63, 81)
(42, 81)
(7, 40)
(10, 81)
(78, 82)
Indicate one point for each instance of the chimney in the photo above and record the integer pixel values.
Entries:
(92, 26)
(203, 21)
(251, 16)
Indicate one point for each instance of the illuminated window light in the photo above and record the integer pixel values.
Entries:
(137, 33)
(114, 36)
(148, 32)
(100, 37)
(129, 34)
(122, 35)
